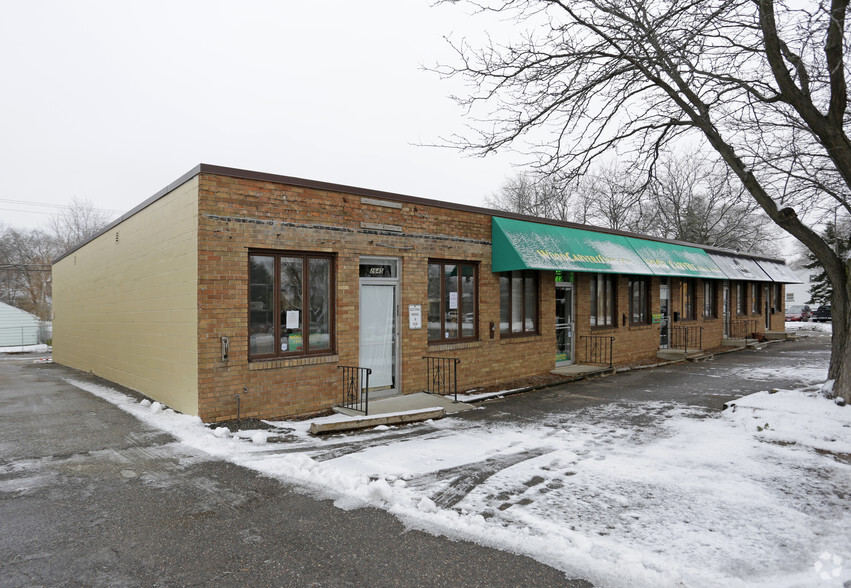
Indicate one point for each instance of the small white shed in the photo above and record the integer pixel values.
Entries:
(17, 327)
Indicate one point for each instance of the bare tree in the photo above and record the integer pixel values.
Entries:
(762, 83)
(696, 199)
(25, 258)
(79, 221)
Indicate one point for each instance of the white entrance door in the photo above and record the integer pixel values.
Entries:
(378, 334)
(564, 324)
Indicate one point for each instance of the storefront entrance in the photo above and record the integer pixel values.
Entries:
(664, 305)
(564, 324)
(379, 286)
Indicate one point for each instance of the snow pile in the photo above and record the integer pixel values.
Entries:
(809, 326)
(40, 348)
(626, 494)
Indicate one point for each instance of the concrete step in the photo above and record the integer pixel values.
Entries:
(678, 354)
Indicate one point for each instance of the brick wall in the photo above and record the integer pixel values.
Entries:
(238, 215)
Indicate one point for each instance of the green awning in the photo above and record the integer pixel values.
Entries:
(668, 259)
(526, 245)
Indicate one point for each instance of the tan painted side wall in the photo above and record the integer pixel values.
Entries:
(125, 304)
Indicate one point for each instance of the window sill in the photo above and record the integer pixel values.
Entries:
(432, 347)
(639, 326)
(270, 364)
(530, 338)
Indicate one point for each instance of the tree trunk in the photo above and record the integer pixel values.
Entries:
(840, 357)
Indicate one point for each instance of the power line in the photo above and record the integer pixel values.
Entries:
(48, 205)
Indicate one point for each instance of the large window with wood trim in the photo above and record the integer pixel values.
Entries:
(639, 302)
(603, 311)
(453, 313)
(291, 304)
(518, 303)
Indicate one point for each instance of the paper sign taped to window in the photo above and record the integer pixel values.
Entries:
(453, 301)
(292, 319)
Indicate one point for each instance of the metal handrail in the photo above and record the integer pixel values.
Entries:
(742, 328)
(355, 388)
(598, 349)
(442, 375)
(685, 337)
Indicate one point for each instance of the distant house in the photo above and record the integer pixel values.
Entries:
(17, 327)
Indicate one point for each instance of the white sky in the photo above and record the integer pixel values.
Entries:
(111, 101)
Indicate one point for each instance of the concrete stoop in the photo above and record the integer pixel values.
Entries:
(580, 371)
(678, 354)
(781, 336)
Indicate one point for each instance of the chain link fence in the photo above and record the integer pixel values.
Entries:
(26, 336)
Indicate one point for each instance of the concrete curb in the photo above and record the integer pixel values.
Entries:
(369, 422)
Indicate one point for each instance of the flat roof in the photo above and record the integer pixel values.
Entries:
(205, 168)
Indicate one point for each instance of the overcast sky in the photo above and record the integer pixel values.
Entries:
(111, 101)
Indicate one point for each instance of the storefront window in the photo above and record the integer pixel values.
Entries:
(710, 306)
(638, 300)
(299, 286)
(518, 303)
(603, 300)
(452, 301)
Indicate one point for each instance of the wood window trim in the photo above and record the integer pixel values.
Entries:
(457, 262)
(646, 310)
(277, 254)
(613, 313)
(526, 274)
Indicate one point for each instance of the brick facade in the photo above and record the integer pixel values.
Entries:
(243, 212)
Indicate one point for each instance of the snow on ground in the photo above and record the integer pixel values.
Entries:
(809, 326)
(40, 348)
(753, 496)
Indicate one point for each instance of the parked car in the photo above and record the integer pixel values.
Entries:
(798, 312)
(822, 314)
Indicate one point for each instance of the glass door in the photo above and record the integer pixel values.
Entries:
(564, 324)
(664, 303)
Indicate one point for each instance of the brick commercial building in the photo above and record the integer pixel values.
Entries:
(232, 288)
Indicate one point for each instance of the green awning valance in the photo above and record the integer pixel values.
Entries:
(526, 245)
(668, 259)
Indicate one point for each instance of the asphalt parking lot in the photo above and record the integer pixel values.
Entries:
(89, 495)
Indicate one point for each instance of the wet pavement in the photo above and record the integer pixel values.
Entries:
(90, 495)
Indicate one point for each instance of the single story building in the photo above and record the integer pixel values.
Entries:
(18, 327)
(237, 290)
